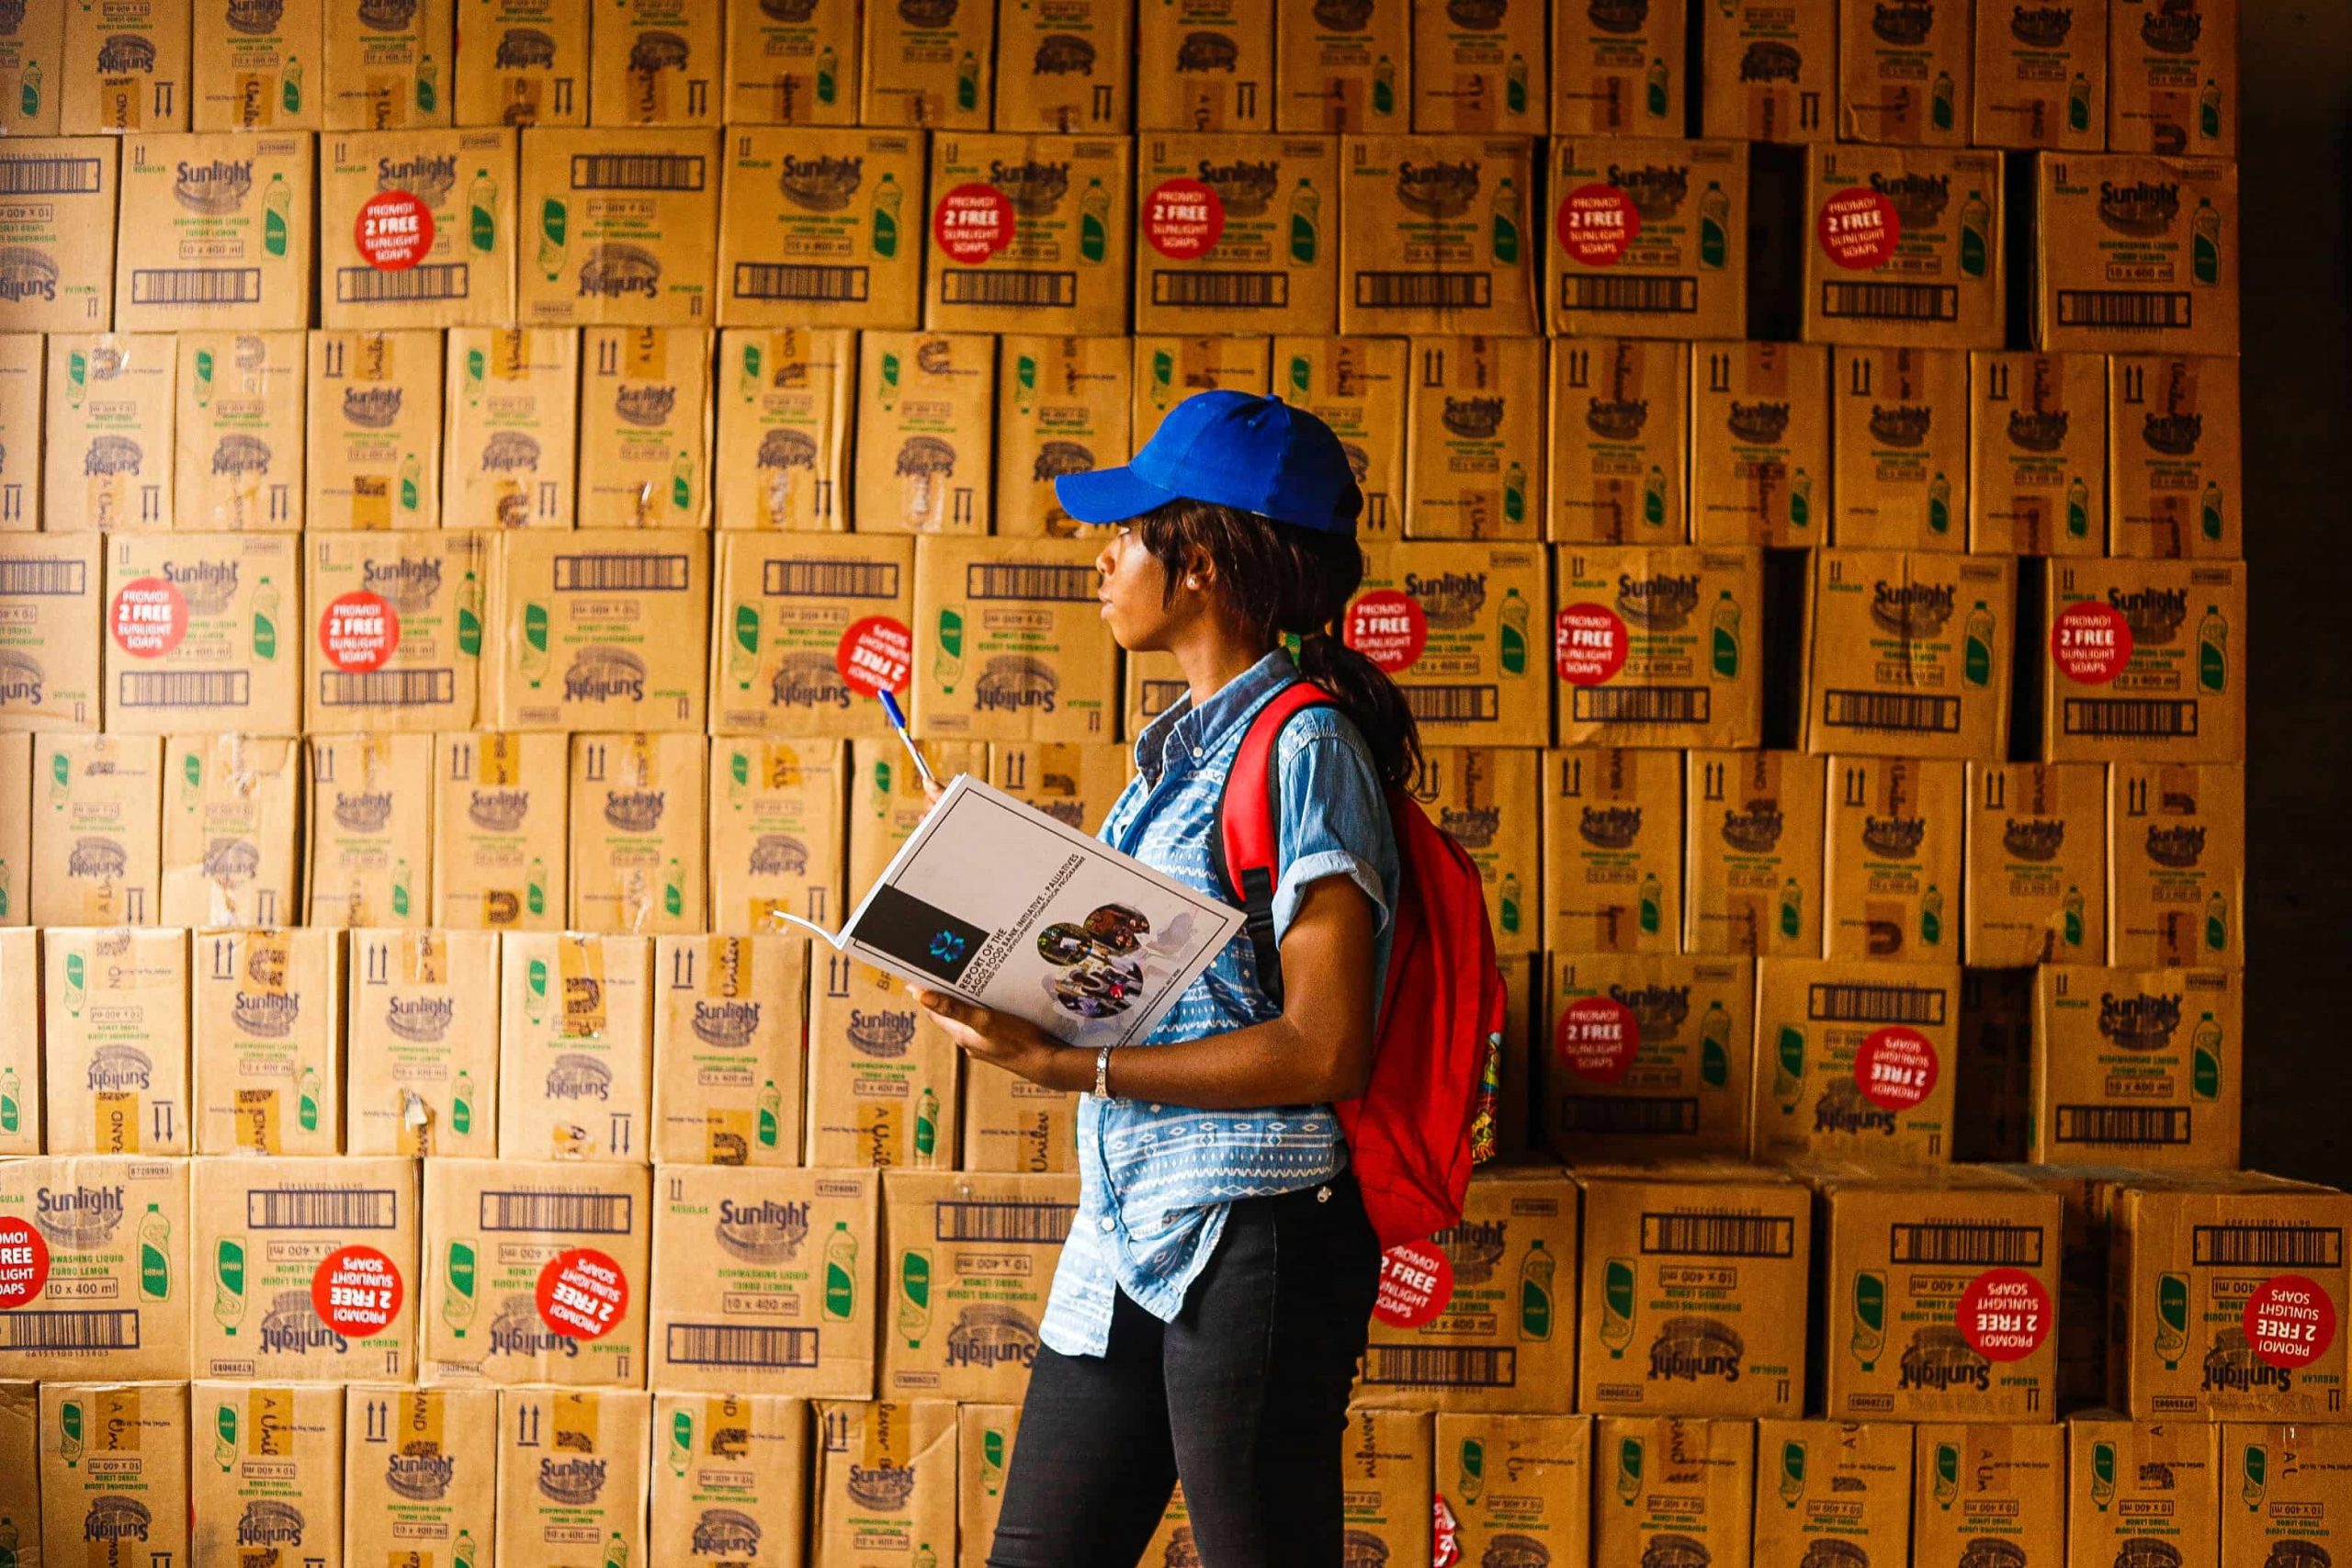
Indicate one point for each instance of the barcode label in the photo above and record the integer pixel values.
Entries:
(637, 171)
(52, 177)
(1220, 291)
(1158, 696)
(1629, 1116)
(2145, 1124)
(387, 688)
(195, 286)
(322, 1209)
(1029, 580)
(2269, 1246)
(1976, 1245)
(1649, 296)
(1639, 704)
(1719, 1235)
(35, 1330)
(587, 1214)
(1029, 289)
(622, 574)
(183, 688)
(798, 280)
(1424, 290)
(2108, 308)
(1440, 1366)
(724, 1344)
(828, 579)
(1890, 302)
(427, 280)
(1037, 1224)
(22, 578)
(1911, 712)
(2128, 716)
(1857, 1002)
(1454, 704)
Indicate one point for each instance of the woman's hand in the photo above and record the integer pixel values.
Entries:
(1014, 1043)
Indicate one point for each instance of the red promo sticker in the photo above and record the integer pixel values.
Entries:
(1588, 644)
(1388, 628)
(24, 1263)
(1415, 1284)
(150, 617)
(583, 1293)
(394, 231)
(2003, 1313)
(359, 631)
(356, 1292)
(2290, 1320)
(1856, 228)
(1596, 1038)
(972, 222)
(875, 655)
(1445, 1533)
(1182, 219)
(1896, 1067)
(1596, 224)
(2091, 642)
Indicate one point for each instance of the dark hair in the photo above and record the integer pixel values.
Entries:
(1281, 581)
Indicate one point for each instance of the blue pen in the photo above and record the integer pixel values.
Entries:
(898, 723)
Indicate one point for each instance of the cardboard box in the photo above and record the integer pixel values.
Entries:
(1907, 652)
(130, 1505)
(369, 860)
(820, 228)
(1617, 71)
(1671, 1491)
(881, 1074)
(1028, 233)
(2135, 254)
(509, 446)
(238, 431)
(374, 438)
(98, 847)
(1153, 682)
(50, 619)
(20, 1071)
(656, 63)
(1473, 462)
(575, 1055)
(886, 800)
(784, 404)
(2041, 77)
(2146, 1493)
(388, 70)
(20, 1444)
(2172, 438)
(2294, 1507)
(985, 1437)
(436, 248)
(1753, 849)
(776, 833)
(1173, 1540)
(32, 67)
(1386, 1464)
(1759, 444)
(645, 428)
(730, 1054)
(2087, 1194)
(1694, 1290)
(24, 385)
(1223, 75)
(2175, 864)
(2036, 467)
(1839, 1489)
(1612, 848)
(923, 441)
(1231, 235)
(115, 1032)
(1937, 1290)
(1652, 238)
(109, 452)
(735, 1477)
(1639, 666)
(206, 634)
(1905, 74)
(1358, 386)
(312, 1269)
(525, 63)
(930, 66)
(1169, 369)
(1620, 442)
(1906, 248)
(759, 1287)
(1068, 68)
(1489, 800)
(1768, 70)
(1851, 1060)
(2037, 865)
(1456, 626)
(59, 220)
(493, 1229)
(15, 828)
(627, 220)
(115, 1299)
(248, 68)
(2137, 1067)
(215, 233)
(1013, 1125)
(884, 1482)
(126, 67)
(1019, 649)
(1061, 407)
(1899, 424)
(1505, 1338)
(1434, 237)
(2161, 61)
(1895, 829)
(1651, 1055)
(786, 66)
(232, 830)
(1480, 68)
(1998, 1492)
(1343, 69)
(2128, 677)
(268, 1042)
(970, 1257)
(1519, 1105)
(606, 628)
(423, 1040)
(1512, 1488)
(419, 1473)
(575, 1468)
(396, 625)
(501, 835)
(638, 826)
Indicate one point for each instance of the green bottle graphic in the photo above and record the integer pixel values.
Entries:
(401, 903)
(1976, 649)
(534, 992)
(1788, 1067)
(743, 646)
(1472, 1468)
(2205, 1061)
(926, 1126)
(482, 209)
(770, 1114)
(1515, 85)
(555, 225)
(224, 1436)
(616, 1551)
(458, 1292)
(2213, 661)
(1715, 1046)
(1511, 903)
(70, 1421)
(991, 1460)
(947, 662)
(1946, 1474)
(1512, 619)
(1652, 914)
(1931, 916)
(77, 376)
(1976, 235)
(1714, 228)
(2257, 1474)
(191, 781)
(1536, 1294)
(1505, 210)
(1515, 492)
(1617, 1306)
(469, 617)
(841, 1273)
(914, 1296)
(77, 988)
(463, 1551)
(229, 1284)
(2205, 254)
(461, 1103)
(290, 86)
(2172, 1318)
(1306, 215)
(889, 381)
(1094, 222)
(829, 76)
(9, 1541)
(2078, 103)
(1939, 105)
(428, 85)
(1869, 1336)
(1799, 500)
(11, 1114)
(28, 90)
(1792, 1456)
(682, 1441)
(1725, 639)
(276, 215)
(204, 377)
(412, 482)
(155, 1255)
(1025, 384)
(2209, 111)
(2071, 911)
(1654, 498)
(534, 662)
(888, 198)
(1940, 505)
(2217, 924)
(1791, 909)
(535, 891)
(967, 82)
(749, 382)
(1629, 1470)
(307, 1101)
(265, 611)
(2209, 512)
(2078, 508)
(1654, 86)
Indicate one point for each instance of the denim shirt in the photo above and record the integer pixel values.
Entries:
(1155, 1180)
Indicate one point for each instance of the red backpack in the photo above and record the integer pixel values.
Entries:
(1428, 1114)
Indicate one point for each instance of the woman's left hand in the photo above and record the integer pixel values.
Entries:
(1004, 1041)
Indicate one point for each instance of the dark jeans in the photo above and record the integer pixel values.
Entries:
(1244, 1397)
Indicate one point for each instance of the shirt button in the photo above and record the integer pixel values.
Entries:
(1198, 753)
(1155, 1109)
(1107, 1224)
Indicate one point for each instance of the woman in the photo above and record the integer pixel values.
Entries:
(1213, 1297)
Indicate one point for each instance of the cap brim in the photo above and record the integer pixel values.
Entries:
(1109, 495)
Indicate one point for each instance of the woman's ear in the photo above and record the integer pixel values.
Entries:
(1199, 570)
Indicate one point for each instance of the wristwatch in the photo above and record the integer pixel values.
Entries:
(1102, 1073)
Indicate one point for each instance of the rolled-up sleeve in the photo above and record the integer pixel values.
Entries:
(1334, 821)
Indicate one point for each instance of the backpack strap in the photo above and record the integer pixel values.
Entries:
(1246, 849)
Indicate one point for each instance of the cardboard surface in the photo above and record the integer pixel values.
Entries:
(1061, 407)
(215, 233)
(784, 404)
(267, 1041)
(656, 63)
(2173, 78)
(1043, 245)
(1649, 238)
(1753, 852)
(1480, 68)
(2142, 1067)
(599, 629)
(883, 1490)
(776, 832)
(2295, 1480)
(1906, 78)
(924, 439)
(22, 1084)
(791, 68)
(1821, 1028)
(1837, 1490)
(1169, 369)
(1768, 70)
(1459, 628)
(639, 827)
(239, 432)
(1669, 1490)
(1489, 799)
(235, 602)
(1618, 70)
(463, 268)
(2037, 859)
(373, 452)
(625, 221)
(117, 1295)
(1359, 386)
(114, 1468)
(395, 624)
(63, 221)
(730, 1475)
(1759, 444)
(1894, 868)
(1343, 71)
(2176, 862)
(1434, 234)
(1612, 851)
(575, 1047)
(1932, 278)
(369, 859)
(126, 67)
(2130, 1484)
(574, 1474)
(2038, 481)
(1649, 1055)
(1236, 233)
(114, 1034)
(2041, 77)
(501, 838)
(1899, 426)
(1909, 652)
(1386, 1466)
(420, 1472)
(2177, 483)
(729, 1059)
(1619, 453)
(98, 848)
(1213, 64)
(109, 432)
(969, 1258)
(511, 428)
(881, 1074)
(2178, 631)
(534, 70)
(2135, 254)
(1984, 1483)
(422, 1075)
(385, 70)
(1660, 645)
(276, 1238)
(1017, 646)
(645, 428)
(50, 616)
(1474, 446)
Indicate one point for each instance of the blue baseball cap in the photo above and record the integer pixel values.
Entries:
(1234, 449)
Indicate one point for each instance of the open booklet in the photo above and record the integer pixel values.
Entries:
(995, 902)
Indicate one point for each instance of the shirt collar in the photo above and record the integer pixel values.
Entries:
(1205, 727)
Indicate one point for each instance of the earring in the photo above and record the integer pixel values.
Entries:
(1192, 582)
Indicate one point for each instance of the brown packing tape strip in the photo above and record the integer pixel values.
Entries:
(644, 355)
(580, 966)
(499, 759)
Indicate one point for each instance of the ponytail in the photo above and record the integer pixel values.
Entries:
(1371, 699)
